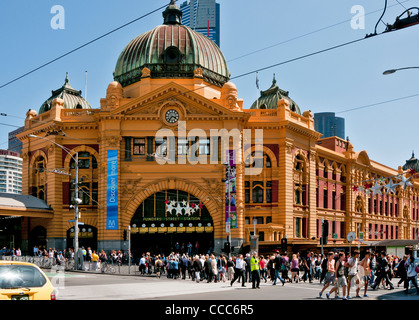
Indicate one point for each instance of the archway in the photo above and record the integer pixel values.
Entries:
(87, 237)
(171, 220)
(38, 237)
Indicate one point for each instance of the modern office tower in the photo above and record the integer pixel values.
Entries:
(10, 172)
(329, 125)
(15, 145)
(202, 16)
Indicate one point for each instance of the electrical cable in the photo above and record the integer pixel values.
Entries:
(82, 46)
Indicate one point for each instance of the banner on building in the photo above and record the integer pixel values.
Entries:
(112, 191)
(230, 189)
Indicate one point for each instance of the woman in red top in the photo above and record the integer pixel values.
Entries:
(263, 269)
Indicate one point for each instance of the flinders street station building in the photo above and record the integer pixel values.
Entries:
(148, 159)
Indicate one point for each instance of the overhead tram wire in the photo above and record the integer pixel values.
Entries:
(263, 68)
(229, 60)
(260, 69)
(84, 45)
(309, 33)
(379, 103)
(151, 12)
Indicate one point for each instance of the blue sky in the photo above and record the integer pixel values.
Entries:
(342, 79)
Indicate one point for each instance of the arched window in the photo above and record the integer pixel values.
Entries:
(299, 163)
(257, 194)
(88, 183)
(39, 178)
(359, 207)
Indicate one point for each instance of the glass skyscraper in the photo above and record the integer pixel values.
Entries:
(330, 125)
(202, 16)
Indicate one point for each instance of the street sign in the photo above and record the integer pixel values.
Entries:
(351, 236)
(361, 236)
(335, 236)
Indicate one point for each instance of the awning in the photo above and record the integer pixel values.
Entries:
(392, 243)
(24, 206)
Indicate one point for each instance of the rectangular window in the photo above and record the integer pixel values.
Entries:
(325, 198)
(161, 146)
(139, 147)
(342, 201)
(298, 227)
(304, 227)
(317, 197)
(257, 195)
(268, 191)
(204, 147)
(247, 195)
(182, 147)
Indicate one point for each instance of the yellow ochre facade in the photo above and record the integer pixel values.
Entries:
(172, 77)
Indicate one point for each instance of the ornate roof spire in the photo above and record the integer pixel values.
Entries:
(66, 78)
(172, 14)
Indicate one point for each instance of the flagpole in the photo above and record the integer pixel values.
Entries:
(257, 90)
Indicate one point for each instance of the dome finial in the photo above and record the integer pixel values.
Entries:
(66, 77)
(274, 80)
(172, 14)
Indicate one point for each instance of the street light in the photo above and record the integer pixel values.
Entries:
(391, 71)
(77, 201)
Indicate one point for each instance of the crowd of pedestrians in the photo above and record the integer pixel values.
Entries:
(337, 271)
(343, 272)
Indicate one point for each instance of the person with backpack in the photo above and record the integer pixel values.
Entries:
(412, 269)
(278, 265)
(340, 278)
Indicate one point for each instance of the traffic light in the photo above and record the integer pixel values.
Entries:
(125, 235)
(226, 247)
(284, 244)
(325, 232)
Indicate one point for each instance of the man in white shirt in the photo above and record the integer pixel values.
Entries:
(239, 270)
(353, 273)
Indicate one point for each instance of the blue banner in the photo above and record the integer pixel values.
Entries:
(112, 191)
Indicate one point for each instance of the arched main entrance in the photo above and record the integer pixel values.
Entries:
(170, 220)
(38, 237)
(87, 237)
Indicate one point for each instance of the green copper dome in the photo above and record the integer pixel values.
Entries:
(412, 163)
(269, 99)
(171, 50)
(72, 98)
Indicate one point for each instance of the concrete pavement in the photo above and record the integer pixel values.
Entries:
(85, 286)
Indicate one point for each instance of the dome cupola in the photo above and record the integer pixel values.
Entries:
(269, 99)
(171, 51)
(71, 97)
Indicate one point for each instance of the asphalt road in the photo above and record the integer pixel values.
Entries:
(85, 286)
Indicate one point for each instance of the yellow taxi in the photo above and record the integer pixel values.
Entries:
(24, 281)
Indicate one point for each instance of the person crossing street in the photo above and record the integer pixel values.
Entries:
(254, 269)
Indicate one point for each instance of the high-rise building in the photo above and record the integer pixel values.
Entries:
(10, 172)
(15, 145)
(202, 16)
(329, 125)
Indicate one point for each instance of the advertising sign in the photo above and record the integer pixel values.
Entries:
(230, 188)
(112, 191)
